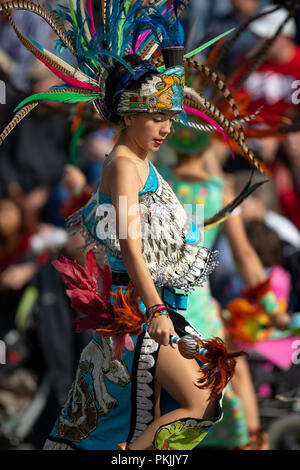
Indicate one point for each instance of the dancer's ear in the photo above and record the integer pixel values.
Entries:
(128, 120)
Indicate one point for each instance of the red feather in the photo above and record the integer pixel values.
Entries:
(119, 343)
(219, 365)
(89, 289)
(84, 291)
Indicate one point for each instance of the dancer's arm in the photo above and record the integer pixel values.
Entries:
(246, 259)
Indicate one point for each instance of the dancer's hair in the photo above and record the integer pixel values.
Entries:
(116, 73)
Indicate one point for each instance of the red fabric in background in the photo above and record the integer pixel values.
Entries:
(287, 196)
(290, 207)
(21, 249)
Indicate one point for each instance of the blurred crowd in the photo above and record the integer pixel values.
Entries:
(51, 158)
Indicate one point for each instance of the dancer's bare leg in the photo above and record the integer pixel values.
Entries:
(243, 387)
(178, 377)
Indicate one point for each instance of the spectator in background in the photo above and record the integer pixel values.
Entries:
(29, 169)
(268, 247)
(17, 269)
(262, 205)
(89, 151)
(259, 208)
(17, 263)
(97, 145)
(44, 344)
(286, 174)
(24, 247)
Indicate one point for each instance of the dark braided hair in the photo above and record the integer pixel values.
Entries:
(116, 73)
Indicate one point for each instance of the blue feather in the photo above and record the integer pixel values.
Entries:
(59, 45)
(184, 118)
(143, 25)
(62, 7)
(60, 87)
(64, 15)
(161, 19)
(166, 21)
(35, 43)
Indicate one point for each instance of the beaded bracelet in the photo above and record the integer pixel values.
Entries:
(156, 315)
(156, 311)
(155, 308)
(160, 312)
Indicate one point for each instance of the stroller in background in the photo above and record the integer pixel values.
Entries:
(276, 388)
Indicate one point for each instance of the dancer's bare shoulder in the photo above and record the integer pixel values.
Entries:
(119, 172)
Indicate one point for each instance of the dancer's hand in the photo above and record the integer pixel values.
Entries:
(160, 329)
(73, 179)
(17, 275)
(280, 321)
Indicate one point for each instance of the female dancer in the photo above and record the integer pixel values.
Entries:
(136, 218)
(128, 175)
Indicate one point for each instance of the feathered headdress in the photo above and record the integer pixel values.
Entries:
(124, 27)
(149, 28)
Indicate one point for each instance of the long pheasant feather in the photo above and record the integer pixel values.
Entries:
(84, 20)
(16, 119)
(51, 59)
(39, 10)
(67, 79)
(225, 50)
(224, 213)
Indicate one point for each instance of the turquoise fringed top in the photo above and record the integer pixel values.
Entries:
(151, 184)
(117, 264)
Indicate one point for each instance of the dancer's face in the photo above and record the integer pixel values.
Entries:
(149, 130)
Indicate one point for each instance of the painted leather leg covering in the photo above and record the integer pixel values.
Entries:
(186, 433)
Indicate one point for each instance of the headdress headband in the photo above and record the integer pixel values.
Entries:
(138, 72)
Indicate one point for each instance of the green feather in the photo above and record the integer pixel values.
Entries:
(71, 97)
(122, 22)
(73, 148)
(207, 44)
(73, 15)
(202, 47)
